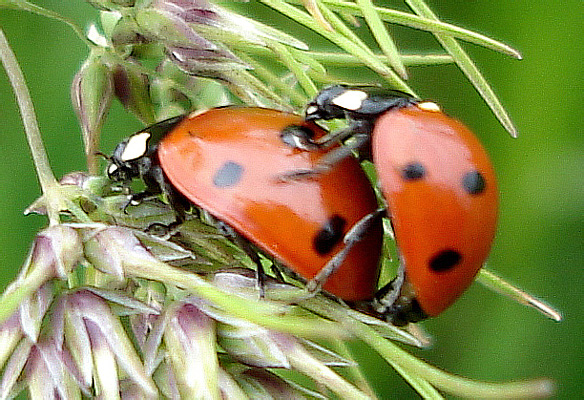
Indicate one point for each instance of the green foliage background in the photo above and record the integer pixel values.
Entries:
(540, 241)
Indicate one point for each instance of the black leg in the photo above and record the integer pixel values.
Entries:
(244, 244)
(137, 198)
(397, 302)
(327, 162)
(359, 130)
(352, 237)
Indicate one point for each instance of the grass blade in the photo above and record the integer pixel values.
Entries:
(468, 67)
(380, 33)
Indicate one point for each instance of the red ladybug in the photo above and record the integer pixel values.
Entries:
(224, 161)
(439, 185)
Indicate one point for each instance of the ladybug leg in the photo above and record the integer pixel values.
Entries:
(156, 183)
(156, 179)
(352, 237)
(358, 130)
(329, 161)
(388, 294)
(162, 230)
(277, 273)
(137, 198)
(301, 139)
(397, 302)
(244, 244)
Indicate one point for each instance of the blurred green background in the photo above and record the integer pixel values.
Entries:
(540, 240)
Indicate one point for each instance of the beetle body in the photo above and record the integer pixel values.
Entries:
(224, 161)
(440, 188)
(442, 195)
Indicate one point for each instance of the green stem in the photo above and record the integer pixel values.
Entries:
(33, 135)
(499, 285)
(274, 80)
(295, 67)
(380, 33)
(358, 49)
(456, 385)
(349, 60)
(468, 67)
(305, 363)
(425, 377)
(420, 385)
(423, 23)
(265, 314)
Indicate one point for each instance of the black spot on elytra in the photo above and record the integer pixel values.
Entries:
(329, 235)
(413, 171)
(297, 135)
(228, 175)
(445, 260)
(474, 182)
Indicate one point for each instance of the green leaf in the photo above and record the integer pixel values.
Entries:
(380, 33)
(420, 385)
(351, 44)
(426, 24)
(468, 67)
(494, 282)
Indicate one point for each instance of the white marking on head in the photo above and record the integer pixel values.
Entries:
(136, 146)
(311, 109)
(111, 169)
(350, 99)
(429, 106)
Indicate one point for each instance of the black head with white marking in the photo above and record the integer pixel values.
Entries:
(355, 102)
(134, 156)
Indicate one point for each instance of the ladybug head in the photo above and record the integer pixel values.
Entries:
(324, 105)
(364, 103)
(136, 155)
(131, 158)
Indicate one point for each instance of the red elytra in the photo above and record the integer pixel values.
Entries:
(442, 195)
(225, 161)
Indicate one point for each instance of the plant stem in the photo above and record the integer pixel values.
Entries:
(499, 285)
(33, 135)
(468, 67)
(456, 385)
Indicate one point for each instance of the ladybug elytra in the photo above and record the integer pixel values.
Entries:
(224, 161)
(439, 185)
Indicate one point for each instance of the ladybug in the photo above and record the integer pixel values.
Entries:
(224, 161)
(439, 185)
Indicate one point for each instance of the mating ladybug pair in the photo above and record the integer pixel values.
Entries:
(280, 183)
